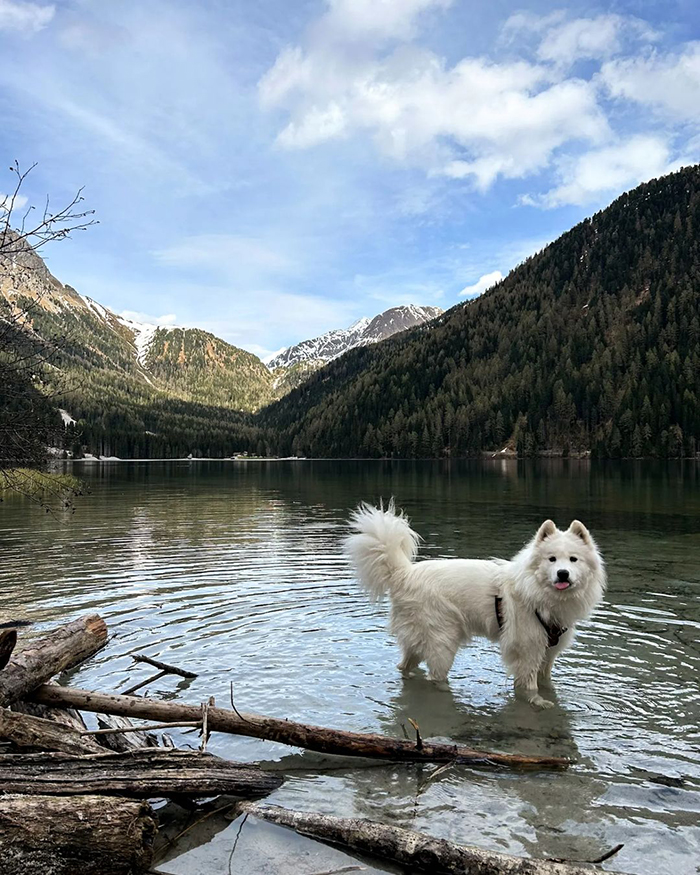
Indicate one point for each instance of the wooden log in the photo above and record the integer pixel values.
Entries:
(8, 639)
(36, 733)
(42, 658)
(90, 835)
(66, 716)
(141, 773)
(317, 738)
(417, 851)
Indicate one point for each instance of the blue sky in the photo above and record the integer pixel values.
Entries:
(269, 170)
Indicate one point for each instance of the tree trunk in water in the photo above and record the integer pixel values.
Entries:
(42, 658)
(90, 835)
(317, 738)
(415, 850)
(141, 773)
(35, 733)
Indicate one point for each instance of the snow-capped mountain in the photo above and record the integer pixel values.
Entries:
(361, 333)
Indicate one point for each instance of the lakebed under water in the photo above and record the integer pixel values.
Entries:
(234, 571)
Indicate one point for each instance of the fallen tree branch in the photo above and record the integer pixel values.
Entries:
(42, 658)
(163, 666)
(416, 850)
(117, 741)
(36, 733)
(143, 773)
(317, 738)
(111, 730)
(92, 835)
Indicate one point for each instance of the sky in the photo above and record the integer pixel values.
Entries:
(270, 170)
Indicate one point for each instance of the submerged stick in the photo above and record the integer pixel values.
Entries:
(415, 850)
(316, 738)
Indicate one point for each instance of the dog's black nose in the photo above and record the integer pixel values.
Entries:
(562, 575)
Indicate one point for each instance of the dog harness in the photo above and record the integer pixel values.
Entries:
(554, 630)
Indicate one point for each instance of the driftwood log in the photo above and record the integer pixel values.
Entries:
(90, 835)
(317, 738)
(42, 658)
(121, 742)
(36, 733)
(145, 773)
(417, 851)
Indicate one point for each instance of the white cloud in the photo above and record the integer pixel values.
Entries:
(482, 284)
(610, 170)
(563, 42)
(383, 19)
(9, 202)
(476, 119)
(668, 82)
(16, 15)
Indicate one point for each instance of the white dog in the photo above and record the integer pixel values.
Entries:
(529, 604)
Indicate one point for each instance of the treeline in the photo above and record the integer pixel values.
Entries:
(591, 345)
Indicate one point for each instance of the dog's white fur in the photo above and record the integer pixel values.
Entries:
(438, 605)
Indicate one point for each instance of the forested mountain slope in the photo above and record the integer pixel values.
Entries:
(197, 366)
(592, 344)
(97, 371)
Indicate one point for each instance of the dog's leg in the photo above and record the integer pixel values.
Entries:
(408, 663)
(527, 683)
(439, 660)
(545, 672)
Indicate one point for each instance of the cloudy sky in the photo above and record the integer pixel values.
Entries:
(268, 170)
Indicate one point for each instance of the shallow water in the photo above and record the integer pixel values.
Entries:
(234, 571)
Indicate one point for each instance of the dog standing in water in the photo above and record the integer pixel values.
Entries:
(528, 604)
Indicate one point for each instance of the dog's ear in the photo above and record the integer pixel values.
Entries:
(545, 530)
(578, 528)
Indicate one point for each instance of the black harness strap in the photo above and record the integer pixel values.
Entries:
(554, 630)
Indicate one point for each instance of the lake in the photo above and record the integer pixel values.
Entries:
(234, 571)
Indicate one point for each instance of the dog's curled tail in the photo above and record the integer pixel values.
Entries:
(382, 545)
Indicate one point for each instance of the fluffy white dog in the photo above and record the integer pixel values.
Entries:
(529, 604)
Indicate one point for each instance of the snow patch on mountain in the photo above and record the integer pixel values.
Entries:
(143, 332)
(334, 343)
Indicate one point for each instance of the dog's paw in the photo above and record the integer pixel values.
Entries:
(541, 704)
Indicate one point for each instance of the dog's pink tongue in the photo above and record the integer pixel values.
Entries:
(561, 584)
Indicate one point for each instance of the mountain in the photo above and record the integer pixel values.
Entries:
(133, 390)
(333, 344)
(198, 366)
(130, 389)
(592, 345)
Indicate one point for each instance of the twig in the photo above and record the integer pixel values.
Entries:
(149, 680)
(209, 814)
(344, 869)
(432, 776)
(608, 854)
(163, 666)
(601, 859)
(236, 711)
(111, 731)
(205, 718)
(419, 740)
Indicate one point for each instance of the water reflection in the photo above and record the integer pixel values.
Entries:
(234, 571)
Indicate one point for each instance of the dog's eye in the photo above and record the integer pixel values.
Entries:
(552, 558)
(573, 558)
